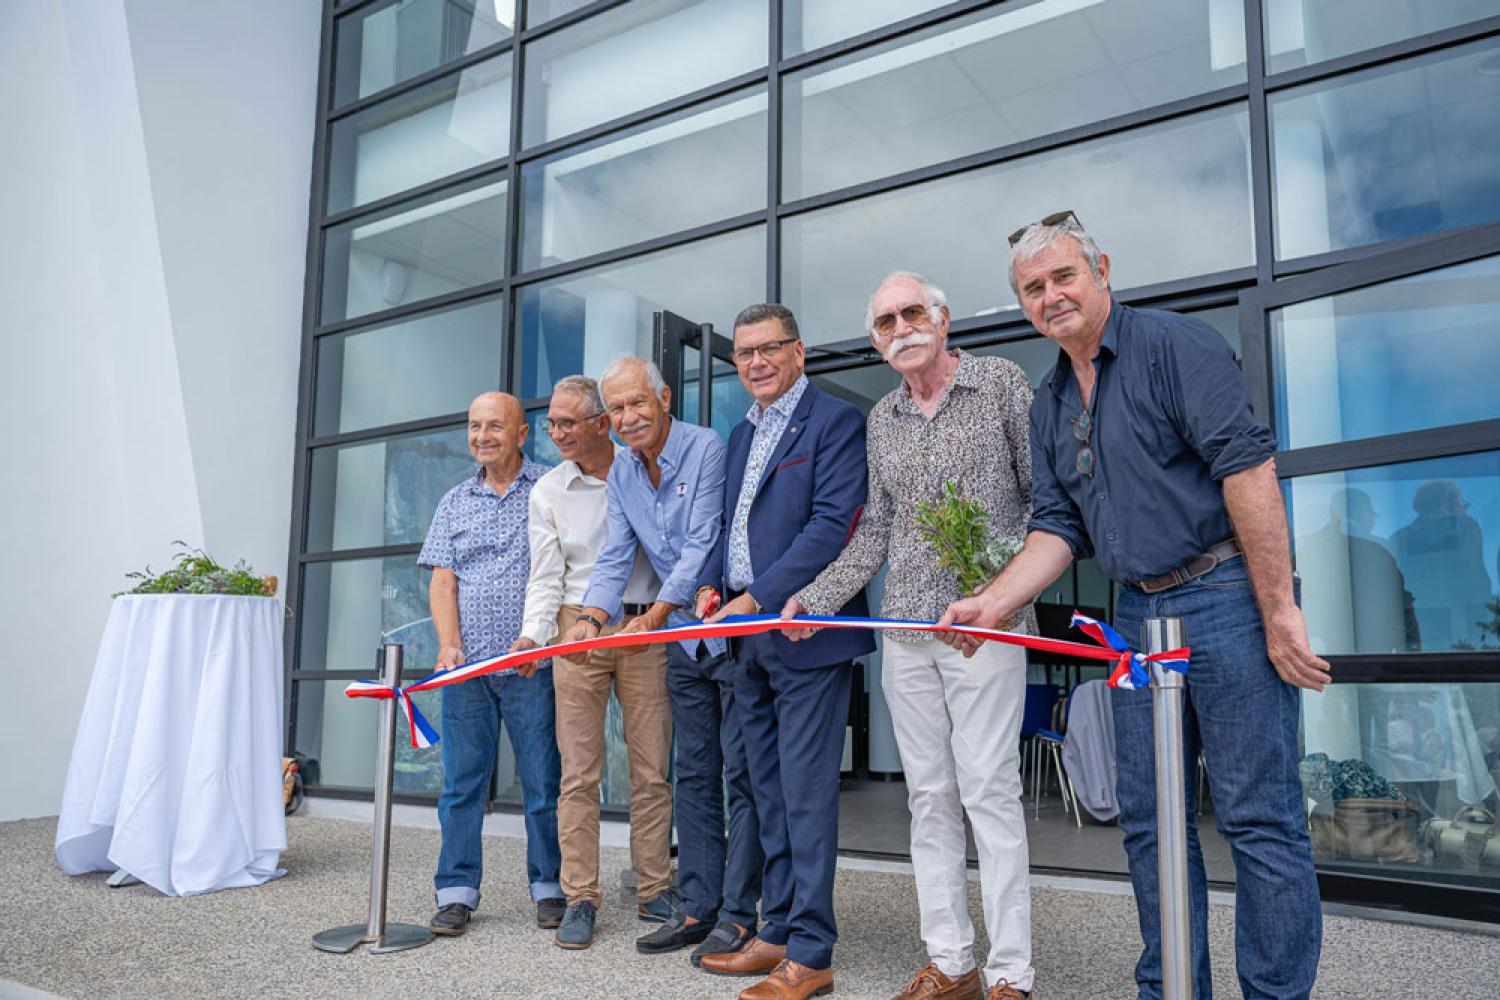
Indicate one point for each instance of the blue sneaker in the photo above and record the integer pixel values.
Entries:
(576, 931)
(664, 907)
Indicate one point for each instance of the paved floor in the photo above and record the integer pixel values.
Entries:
(77, 938)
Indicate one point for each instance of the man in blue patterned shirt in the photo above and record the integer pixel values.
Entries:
(480, 560)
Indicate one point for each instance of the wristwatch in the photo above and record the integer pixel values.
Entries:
(598, 625)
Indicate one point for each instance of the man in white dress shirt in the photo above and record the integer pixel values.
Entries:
(567, 528)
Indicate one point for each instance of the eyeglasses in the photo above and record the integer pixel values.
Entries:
(770, 351)
(1055, 219)
(885, 323)
(1083, 428)
(565, 426)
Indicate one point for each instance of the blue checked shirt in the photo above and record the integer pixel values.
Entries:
(768, 430)
(676, 523)
(481, 536)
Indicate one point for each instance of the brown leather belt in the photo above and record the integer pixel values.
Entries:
(1203, 562)
(635, 610)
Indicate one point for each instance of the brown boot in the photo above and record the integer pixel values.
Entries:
(931, 984)
(755, 959)
(791, 981)
(1003, 990)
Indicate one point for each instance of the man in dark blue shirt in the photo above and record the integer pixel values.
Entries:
(1146, 455)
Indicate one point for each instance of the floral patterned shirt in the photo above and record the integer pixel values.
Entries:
(979, 438)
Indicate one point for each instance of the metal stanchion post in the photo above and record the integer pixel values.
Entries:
(1167, 687)
(381, 936)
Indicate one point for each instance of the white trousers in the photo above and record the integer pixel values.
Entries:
(958, 726)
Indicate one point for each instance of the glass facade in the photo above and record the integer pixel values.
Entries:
(496, 207)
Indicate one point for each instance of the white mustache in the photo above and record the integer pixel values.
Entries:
(910, 340)
(632, 428)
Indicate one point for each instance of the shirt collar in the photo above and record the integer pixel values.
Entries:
(670, 452)
(1109, 343)
(965, 375)
(572, 473)
(784, 405)
(529, 471)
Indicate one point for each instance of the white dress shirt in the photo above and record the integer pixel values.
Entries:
(567, 527)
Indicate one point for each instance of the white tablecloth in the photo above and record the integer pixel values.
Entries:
(176, 770)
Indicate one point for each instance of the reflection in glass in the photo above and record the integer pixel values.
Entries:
(445, 242)
(422, 367)
(582, 322)
(812, 24)
(1400, 557)
(382, 492)
(635, 56)
(995, 78)
(337, 735)
(1422, 351)
(630, 189)
(349, 605)
(730, 400)
(1302, 32)
(449, 125)
(1395, 151)
(1165, 202)
(542, 11)
(1401, 778)
(384, 43)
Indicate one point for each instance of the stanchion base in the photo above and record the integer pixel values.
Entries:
(397, 937)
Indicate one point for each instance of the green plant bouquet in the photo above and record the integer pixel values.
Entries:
(195, 572)
(958, 529)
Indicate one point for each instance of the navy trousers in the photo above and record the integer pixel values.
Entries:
(793, 718)
(718, 873)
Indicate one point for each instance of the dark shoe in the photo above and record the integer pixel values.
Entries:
(723, 939)
(672, 935)
(450, 920)
(549, 912)
(1003, 990)
(576, 931)
(757, 958)
(931, 984)
(664, 907)
(791, 981)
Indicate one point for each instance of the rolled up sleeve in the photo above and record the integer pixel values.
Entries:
(1211, 399)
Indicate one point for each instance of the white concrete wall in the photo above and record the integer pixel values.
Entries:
(153, 206)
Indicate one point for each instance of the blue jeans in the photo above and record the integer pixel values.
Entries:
(1244, 719)
(472, 713)
(719, 875)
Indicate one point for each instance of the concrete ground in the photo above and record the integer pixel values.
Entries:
(78, 938)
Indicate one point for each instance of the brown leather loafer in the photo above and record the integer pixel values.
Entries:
(791, 981)
(755, 959)
(931, 984)
(1003, 990)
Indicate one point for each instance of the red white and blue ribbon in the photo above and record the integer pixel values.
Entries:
(1130, 671)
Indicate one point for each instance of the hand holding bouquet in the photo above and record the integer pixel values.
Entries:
(958, 530)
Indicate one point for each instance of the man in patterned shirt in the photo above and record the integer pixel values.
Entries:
(795, 484)
(479, 557)
(961, 418)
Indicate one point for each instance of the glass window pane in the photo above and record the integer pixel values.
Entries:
(1395, 151)
(383, 492)
(812, 24)
(542, 11)
(1399, 557)
(1302, 32)
(381, 45)
(449, 125)
(1165, 202)
(444, 242)
(635, 56)
(580, 323)
(1437, 747)
(1419, 352)
(337, 734)
(995, 78)
(416, 368)
(630, 189)
(350, 604)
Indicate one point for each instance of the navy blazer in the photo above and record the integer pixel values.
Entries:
(806, 506)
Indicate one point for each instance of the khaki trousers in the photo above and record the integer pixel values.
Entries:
(639, 677)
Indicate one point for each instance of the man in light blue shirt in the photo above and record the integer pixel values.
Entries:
(666, 496)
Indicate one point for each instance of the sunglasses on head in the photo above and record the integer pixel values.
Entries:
(1055, 219)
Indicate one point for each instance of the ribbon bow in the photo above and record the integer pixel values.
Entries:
(1130, 672)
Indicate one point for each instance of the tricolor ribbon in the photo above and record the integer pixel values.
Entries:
(1130, 670)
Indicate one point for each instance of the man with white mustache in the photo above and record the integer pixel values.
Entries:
(962, 418)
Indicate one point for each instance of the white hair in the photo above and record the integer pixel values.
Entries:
(585, 387)
(1038, 237)
(625, 362)
(935, 296)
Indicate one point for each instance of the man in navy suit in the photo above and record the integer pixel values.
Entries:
(795, 485)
